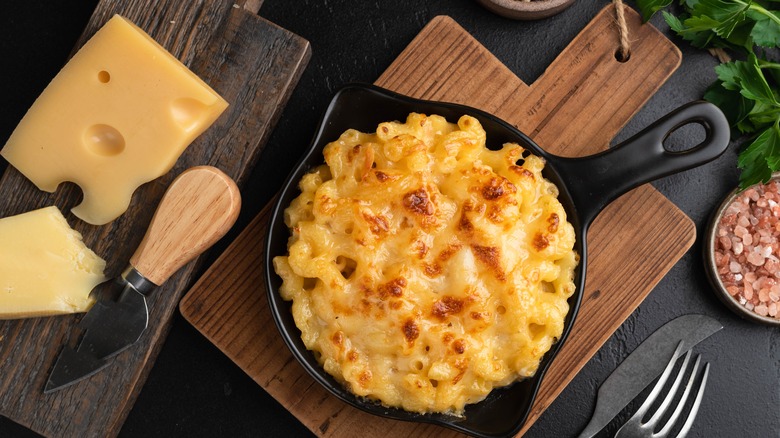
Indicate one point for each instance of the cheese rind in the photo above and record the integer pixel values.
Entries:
(118, 115)
(45, 267)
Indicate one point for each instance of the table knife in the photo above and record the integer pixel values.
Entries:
(199, 207)
(646, 363)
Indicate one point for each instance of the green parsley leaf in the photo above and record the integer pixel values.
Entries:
(766, 31)
(674, 23)
(721, 16)
(727, 12)
(760, 159)
(763, 115)
(697, 30)
(734, 105)
(747, 78)
(649, 7)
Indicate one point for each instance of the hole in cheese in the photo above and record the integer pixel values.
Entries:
(104, 140)
(104, 76)
(188, 113)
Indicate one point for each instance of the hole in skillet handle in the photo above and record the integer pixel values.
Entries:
(685, 137)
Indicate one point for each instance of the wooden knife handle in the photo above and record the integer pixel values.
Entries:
(198, 209)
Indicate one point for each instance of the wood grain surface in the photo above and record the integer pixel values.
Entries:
(198, 209)
(254, 65)
(580, 103)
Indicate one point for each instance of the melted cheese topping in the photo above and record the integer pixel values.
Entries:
(425, 269)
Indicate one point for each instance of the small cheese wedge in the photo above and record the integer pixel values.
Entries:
(45, 268)
(119, 114)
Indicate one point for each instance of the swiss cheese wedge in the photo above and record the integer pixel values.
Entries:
(45, 268)
(119, 114)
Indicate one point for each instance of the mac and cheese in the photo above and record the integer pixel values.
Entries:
(424, 269)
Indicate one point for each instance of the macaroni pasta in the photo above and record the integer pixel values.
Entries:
(424, 269)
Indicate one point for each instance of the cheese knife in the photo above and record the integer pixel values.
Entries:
(646, 363)
(199, 207)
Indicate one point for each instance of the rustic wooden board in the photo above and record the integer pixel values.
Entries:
(254, 65)
(571, 110)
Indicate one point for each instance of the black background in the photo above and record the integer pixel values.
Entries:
(194, 390)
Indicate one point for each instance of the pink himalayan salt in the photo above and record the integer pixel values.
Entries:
(747, 249)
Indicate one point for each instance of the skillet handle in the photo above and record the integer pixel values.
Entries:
(596, 180)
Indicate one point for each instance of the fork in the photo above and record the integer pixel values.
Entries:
(634, 428)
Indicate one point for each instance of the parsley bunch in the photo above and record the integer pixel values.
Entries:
(746, 89)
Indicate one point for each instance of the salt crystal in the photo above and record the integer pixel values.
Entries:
(749, 306)
(772, 309)
(761, 310)
(738, 247)
(737, 277)
(735, 267)
(763, 295)
(747, 239)
(755, 258)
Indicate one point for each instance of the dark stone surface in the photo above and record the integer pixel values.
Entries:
(194, 390)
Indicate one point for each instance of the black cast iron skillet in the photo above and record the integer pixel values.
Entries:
(586, 186)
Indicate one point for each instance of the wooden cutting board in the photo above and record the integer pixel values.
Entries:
(574, 109)
(254, 65)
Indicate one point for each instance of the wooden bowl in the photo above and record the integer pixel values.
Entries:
(526, 10)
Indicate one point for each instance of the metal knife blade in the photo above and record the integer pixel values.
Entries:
(111, 326)
(646, 363)
(199, 207)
